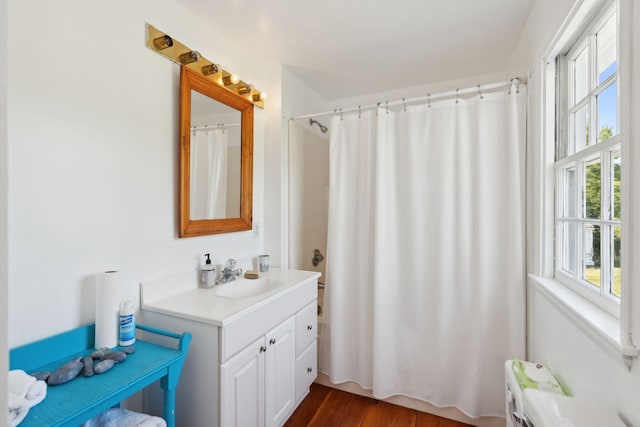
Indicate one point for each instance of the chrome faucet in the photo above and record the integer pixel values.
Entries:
(229, 272)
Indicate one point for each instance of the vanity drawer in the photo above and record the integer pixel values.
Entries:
(306, 326)
(248, 327)
(306, 370)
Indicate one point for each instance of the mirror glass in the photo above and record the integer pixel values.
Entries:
(216, 157)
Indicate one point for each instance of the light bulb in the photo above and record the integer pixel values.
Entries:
(246, 89)
(189, 57)
(162, 42)
(208, 70)
(230, 80)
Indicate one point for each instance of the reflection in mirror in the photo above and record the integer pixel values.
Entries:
(216, 157)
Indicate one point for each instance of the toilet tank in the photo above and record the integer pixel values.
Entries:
(538, 408)
(545, 409)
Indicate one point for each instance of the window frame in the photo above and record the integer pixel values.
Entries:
(601, 296)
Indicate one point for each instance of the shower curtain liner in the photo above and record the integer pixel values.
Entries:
(209, 175)
(425, 257)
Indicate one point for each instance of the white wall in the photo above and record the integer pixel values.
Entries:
(634, 202)
(297, 99)
(93, 154)
(271, 225)
(308, 194)
(543, 22)
(4, 364)
(589, 368)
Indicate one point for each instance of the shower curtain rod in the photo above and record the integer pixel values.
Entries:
(218, 126)
(429, 97)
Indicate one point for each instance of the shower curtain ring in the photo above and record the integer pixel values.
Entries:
(429, 100)
(387, 103)
(404, 105)
(480, 92)
(457, 95)
(341, 115)
(359, 112)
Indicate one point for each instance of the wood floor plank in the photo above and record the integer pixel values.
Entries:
(305, 412)
(383, 414)
(430, 420)
(342, 409)
(329, 407)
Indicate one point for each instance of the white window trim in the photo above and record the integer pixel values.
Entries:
(585, 40)
(614, 332)
(607, 302)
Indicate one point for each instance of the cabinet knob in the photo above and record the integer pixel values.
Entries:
(272, 341)
(309, 327)
(309, 370)
(263, 349)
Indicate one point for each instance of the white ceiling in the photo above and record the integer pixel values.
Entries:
(345, 48)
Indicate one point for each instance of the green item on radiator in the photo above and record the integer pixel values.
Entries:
(535, 375)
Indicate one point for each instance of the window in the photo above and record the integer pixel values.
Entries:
(588, 164)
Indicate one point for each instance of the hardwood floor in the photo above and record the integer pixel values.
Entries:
(328, 407)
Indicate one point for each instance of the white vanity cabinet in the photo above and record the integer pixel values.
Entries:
(251, 360)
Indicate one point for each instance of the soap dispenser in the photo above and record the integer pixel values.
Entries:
(208, 273)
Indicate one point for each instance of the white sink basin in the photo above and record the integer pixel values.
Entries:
(244, 288)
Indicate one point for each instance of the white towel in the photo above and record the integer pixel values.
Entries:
(18, 409)
(117, 417)
(27, 387)
(24, 392)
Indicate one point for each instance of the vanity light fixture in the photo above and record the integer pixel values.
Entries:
(230, 80)
(167, 46)
(162, 42)
(208, 70)
(245, 89)
(189, 57)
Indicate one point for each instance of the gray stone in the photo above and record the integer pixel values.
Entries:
(42, 375)
(116, 356)
(87, 369)
(103, 366)
(129, 350)
(66, 372)
(100, 352)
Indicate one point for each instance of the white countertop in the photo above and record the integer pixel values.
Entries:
(180, 296)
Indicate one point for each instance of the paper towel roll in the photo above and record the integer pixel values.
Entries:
(107, 309)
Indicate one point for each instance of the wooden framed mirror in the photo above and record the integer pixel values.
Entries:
(216, 158)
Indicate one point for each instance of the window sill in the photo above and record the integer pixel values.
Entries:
(594, 321)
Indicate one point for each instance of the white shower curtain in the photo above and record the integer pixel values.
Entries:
(425, 257)
(209, 175)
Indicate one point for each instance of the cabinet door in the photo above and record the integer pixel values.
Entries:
(242, 388)
(280, 359)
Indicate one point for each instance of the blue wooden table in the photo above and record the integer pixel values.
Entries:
(81, 399)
